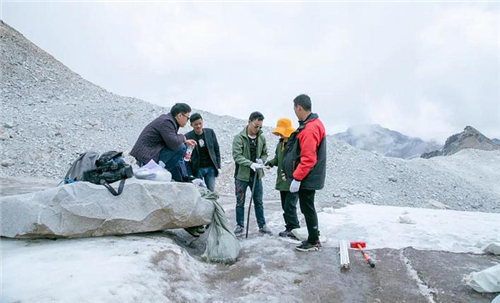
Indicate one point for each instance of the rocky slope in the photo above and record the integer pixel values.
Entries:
(469, 138)
(384, 141)
(50, 114)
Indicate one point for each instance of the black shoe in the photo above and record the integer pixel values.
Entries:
(200, 229)
(188, 179)
(193, 231)
(287, 233)
(265, 230)
(238, 232)
(306, 246)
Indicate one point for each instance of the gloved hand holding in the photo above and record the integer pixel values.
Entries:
(259, 161)
(256, 166)
(294, 186)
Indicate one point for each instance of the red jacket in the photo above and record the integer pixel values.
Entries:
(309, 140)
(305, 154)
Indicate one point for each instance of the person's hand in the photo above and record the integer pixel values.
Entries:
(256, 166)
(259, 161)
(190, 142)
(283, 177)
(220, 171)
(294, 186)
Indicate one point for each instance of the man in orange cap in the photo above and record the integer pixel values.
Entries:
(288, 201)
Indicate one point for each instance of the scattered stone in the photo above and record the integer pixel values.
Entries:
(7, 163)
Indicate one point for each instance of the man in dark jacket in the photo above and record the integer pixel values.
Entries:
(305, 166)
(159, 141)
(205, 159)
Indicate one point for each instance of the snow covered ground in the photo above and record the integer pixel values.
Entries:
(153, 268)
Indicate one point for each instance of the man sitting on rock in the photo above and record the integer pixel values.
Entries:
(159, 141)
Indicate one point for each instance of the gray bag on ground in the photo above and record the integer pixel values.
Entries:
(221, 245)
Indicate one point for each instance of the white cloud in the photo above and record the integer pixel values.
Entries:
(423, 69)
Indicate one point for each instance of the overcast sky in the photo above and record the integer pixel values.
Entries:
(424, 69)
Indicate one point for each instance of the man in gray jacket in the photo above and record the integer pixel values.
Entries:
(159, 141)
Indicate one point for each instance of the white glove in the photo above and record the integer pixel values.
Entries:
(294, 186)
(256, 166)
(259, 161)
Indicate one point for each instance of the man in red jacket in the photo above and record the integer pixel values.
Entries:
(305, 165)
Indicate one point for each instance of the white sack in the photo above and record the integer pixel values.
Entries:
(492, 248)
(487, 280)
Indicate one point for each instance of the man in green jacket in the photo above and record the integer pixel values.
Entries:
(249, 154)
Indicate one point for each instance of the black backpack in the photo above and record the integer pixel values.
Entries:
(107, 168)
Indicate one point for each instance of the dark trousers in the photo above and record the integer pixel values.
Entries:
(241, 188)
(289, 206)
(306, 198)
(174, 162)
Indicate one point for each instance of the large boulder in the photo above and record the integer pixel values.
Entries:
(83, 209)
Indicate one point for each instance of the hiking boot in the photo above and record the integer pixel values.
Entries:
(265, 230)
(287, 233)
(239, 231)
(193, 231)
(306, 246)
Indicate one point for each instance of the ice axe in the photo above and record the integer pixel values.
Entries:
(360, 246)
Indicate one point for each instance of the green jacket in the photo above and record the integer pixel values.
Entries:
(241, 154)
(278, 161)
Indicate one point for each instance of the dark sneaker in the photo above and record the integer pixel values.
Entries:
(265, 230)
(188, 179)
(200, 229)
(239, 231)
(287, 233)
(306, 246)
(193, 231)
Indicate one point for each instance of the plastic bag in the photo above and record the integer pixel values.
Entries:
(492, 248)
(487, 280)
(153, 172)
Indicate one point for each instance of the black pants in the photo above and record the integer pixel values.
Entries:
(289, 206)
(306, 198)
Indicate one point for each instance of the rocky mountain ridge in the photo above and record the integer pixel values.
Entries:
(469, 138)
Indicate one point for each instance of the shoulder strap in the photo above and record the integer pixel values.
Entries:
(111, 189)
(66, 178)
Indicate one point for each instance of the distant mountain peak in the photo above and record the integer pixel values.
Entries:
(469, 138)
(376, 138)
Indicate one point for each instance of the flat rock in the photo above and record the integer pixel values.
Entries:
(83, 209)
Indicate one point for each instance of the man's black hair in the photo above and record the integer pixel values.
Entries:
(180, 108)
(304, 101)
(195, 117)
(256, 116)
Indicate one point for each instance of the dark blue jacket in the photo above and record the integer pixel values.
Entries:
(160, 133)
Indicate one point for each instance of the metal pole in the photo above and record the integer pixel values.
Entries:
(251, 198)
